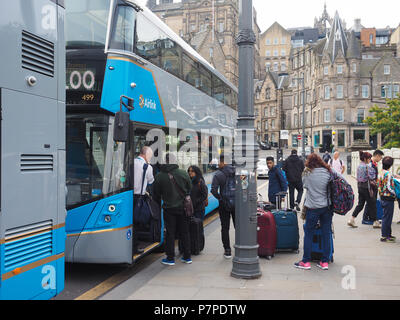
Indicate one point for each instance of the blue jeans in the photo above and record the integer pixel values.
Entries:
(387, 218)
(313, 216)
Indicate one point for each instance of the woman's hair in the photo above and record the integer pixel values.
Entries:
(365, 156)
(197, 171)
(314, 161)
(387, 163)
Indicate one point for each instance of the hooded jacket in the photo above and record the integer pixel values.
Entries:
(164, 189)
(294, 168)
(219, 180)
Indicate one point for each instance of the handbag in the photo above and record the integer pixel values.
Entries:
(372, 186)
(187, 200)
(141, 210)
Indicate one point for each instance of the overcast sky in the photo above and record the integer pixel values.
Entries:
(301, 13)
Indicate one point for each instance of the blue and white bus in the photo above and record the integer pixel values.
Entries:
(32, 148)
(118, 49)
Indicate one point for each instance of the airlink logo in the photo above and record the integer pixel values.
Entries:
(148, 103)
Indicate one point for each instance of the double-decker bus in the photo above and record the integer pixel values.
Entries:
(32, 148)
(115, 50)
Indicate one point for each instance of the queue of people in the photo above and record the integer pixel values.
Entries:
(172, 184)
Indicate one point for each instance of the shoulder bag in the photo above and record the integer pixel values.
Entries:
(187, 200)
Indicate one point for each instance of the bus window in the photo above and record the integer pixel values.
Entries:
(171, 56)
(228, 96)
(148, 40)
(122, 36)
(205, 81)
(190, 70)
(86, 23)
(218, 87)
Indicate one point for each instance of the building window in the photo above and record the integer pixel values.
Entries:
(266, 125)
(268, 42)
(326, 71)
(267, 66)
(327, 115)
(276, 53)
(356, 90)
(268, 53)
(341, 138)
(386, 69)
(283, 41)
(327, 92)
(359, 135)
(354, 66)
(276, 41)
(296, 120)
(339, 69)
(283, 52)
(339, 91)
(273, 124)
(273, 111)
(266, 112)
(360, 116)
(340, 115)
(276, 66)
(396, 89)
(283, 66)
(386, 91)
(268, 93)
(365, 91)
(221, 27)
(314, 118)
(371, 39)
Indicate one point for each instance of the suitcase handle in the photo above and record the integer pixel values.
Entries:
(279, 196)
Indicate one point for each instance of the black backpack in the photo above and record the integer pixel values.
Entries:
(228, 193)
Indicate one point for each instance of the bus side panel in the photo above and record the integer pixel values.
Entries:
(107, 233)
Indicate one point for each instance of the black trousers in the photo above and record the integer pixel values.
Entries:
(292, 187)
(363, 198)
(225, 217)
(176, 224)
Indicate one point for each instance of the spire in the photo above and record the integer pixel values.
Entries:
(337, 40)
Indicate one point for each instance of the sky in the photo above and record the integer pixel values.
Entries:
(296, 13)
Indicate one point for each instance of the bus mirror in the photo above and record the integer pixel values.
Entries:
(121, 124)
(121, 127)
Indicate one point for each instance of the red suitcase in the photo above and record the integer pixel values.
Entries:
(266, 234)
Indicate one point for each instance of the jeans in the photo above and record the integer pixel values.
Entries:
(364, 197)
(225, 226)
(295, 186)
(176, 224)
(313, 216)
(387, 219)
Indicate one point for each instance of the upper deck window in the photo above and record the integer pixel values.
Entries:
(86, 23)
(122, 35)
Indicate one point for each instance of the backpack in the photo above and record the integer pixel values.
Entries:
(228, 193)
(341, 194)
(397, 187)
(326, 158)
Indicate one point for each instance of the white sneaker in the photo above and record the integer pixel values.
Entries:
(377, 225)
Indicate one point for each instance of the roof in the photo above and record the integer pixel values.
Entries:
(309, 35)
(337, 40)
(354, 50)
(367, 66)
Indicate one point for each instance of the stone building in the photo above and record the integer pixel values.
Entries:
(211, 27)
(275, 45)
(342, 81)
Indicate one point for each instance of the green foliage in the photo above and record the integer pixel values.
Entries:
(386, 120)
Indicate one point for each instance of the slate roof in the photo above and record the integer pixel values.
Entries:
(337, 41)
(354, 50)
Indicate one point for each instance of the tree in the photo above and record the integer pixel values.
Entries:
(386, 120)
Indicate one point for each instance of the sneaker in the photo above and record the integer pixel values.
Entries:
(377, 225)
(302, 265)
(323, 265)
(388, 240)
(168, 262)
(352, 224)
(296, 204)
(228, 254)
(187, 261)
(393, 238)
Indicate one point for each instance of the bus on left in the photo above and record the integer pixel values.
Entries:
(32, 148)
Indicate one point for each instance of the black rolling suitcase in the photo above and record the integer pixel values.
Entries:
(197, 239)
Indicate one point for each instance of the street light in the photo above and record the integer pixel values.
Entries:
(246, 264)
(303, 142)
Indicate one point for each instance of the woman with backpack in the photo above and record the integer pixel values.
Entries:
(366, 182)
(199, 192)
(316, 178)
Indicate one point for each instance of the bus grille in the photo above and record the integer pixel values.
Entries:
(37, 54)
(36, 163)
(28, 244)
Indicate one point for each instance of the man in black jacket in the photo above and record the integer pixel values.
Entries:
(294, 168)
(218, 186)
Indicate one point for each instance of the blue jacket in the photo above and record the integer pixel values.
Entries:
(277, 183)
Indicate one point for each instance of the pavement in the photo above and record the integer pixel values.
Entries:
(364, 269)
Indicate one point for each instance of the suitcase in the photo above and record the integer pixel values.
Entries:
(317, 245)
(197, 239)
(287, 226)
(266, 233)
(379, 213)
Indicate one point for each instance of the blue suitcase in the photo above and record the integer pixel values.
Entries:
(317, 245)
(287, 227)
